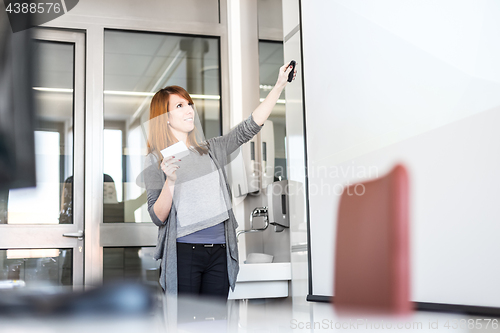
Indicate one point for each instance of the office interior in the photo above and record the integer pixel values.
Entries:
(379, 83)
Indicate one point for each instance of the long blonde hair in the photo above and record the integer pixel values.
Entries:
(160, 135)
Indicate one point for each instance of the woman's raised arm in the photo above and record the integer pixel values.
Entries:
(262, 112)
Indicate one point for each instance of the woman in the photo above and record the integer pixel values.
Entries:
(189, 198)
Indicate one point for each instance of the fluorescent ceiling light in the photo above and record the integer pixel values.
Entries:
(53, 89)
(205, 96)
(151, 94)
(124, 93)
(265, 87)
(38, 253)
(129, 93)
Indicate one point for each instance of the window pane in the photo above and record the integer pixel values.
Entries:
(131, 264)
(50, 202)
(36, 267)
(271, 59)
(136, 65)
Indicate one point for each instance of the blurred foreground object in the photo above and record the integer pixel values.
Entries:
(121, 299)
(372, 250)
(17, 147)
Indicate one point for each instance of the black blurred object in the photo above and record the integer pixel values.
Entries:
(4, 204)
(119, 299)
(17, 144)
(290, 75)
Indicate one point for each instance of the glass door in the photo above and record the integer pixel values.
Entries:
(136, 66)
(42, 228)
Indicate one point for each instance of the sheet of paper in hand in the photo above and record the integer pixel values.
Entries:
(179, 150)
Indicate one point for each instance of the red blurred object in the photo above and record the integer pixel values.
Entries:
(372, 248)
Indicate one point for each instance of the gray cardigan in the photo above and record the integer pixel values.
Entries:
(166, 248)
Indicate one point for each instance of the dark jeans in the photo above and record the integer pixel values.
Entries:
(202, 270)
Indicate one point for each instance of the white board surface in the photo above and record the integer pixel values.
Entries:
(416, 82)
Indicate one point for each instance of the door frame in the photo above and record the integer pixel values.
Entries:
(39, 236)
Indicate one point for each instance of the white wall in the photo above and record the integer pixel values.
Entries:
(416, 82)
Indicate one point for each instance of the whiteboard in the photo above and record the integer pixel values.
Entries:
(416, 82)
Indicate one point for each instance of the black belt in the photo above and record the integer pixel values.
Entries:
(204, 245)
